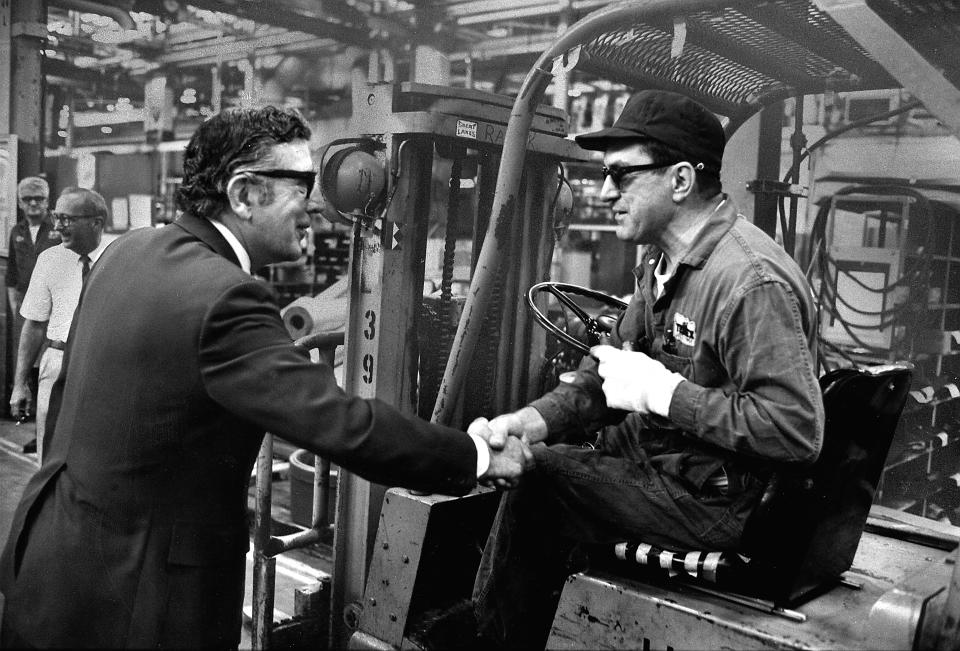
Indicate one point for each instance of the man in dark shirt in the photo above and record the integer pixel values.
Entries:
(709, 387)
(28, 238)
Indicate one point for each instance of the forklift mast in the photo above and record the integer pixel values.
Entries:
(397, 341)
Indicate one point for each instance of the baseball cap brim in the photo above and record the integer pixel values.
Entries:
(597, 141)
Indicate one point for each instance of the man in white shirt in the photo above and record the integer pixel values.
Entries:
(52, 298)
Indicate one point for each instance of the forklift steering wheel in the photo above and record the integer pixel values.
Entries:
(596, 328)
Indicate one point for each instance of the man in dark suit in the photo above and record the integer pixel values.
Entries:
(133, 532)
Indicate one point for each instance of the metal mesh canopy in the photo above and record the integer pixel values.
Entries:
(737, 57)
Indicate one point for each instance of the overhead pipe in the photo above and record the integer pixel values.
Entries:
(122, 16)
(512, 160)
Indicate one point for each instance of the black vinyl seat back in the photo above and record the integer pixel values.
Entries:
(804, 533)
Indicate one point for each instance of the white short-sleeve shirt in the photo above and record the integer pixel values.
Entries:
(54, 289)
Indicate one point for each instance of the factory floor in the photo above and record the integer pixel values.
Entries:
(293, 569)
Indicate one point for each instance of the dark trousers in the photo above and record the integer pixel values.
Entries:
(584, 496)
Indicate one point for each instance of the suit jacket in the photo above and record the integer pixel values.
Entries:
(134, 531)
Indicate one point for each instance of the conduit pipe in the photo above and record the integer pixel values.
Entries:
(122, 16)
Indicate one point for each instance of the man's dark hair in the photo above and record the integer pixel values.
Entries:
(226, 142)
(708, 181)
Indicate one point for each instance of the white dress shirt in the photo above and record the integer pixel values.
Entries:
(54, 289)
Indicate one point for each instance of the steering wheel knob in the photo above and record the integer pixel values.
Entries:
(606, 322)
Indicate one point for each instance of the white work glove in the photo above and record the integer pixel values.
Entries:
(635, 382)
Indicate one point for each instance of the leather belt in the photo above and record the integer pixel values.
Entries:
(56, 344)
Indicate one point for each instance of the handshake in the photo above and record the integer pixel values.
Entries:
(509, 438)
(632, 381)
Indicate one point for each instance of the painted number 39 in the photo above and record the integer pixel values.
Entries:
(367, 368)
(369, 332)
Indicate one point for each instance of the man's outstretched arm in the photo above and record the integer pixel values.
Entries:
(31, 340)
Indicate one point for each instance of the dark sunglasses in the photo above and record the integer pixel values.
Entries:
(68, 220)
(308, 178)
(616, 174)
(37, 198)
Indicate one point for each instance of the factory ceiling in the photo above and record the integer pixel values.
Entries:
(104, 55)
(108, 48)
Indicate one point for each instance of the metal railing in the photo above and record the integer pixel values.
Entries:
(266, 547)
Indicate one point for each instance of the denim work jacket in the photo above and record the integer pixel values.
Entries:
(738, 321)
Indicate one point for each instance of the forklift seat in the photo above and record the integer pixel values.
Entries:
(806, 529)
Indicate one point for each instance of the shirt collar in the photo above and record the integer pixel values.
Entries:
(95, 254)
(234, 243)
(660, 279)
(718, 223)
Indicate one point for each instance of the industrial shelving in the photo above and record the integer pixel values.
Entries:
(889, 290)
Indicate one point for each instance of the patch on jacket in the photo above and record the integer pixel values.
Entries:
(684, 329)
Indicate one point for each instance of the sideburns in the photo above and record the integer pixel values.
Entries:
(266, 194)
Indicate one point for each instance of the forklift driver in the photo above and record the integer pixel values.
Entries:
(711, 383)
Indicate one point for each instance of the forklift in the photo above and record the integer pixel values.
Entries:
(859, 576)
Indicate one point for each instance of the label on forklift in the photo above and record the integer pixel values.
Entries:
(466, 129)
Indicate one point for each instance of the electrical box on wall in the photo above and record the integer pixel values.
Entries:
(889, 289)
(865, 286)
(861, 276)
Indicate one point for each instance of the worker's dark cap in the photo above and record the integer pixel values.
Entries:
(672, 119)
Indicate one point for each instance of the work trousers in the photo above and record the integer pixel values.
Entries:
(582, 496)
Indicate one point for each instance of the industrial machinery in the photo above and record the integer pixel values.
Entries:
(441, 150)
(400, 555)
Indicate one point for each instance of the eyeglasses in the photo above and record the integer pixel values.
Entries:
(35, 198)
(68, 220)
(308, 178)
(616, 174)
